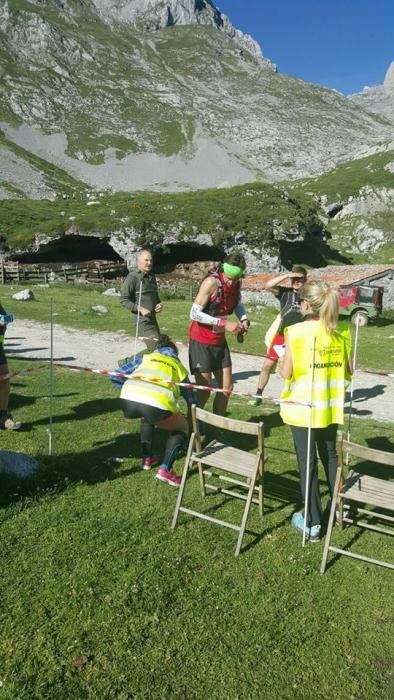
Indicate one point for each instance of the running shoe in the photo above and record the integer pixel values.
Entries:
(168, 477)
(149, 463)
(7, 422)
(312, 533)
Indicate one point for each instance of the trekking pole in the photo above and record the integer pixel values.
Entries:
(50, 380)
(138, 320)
(352, 387)
(308, 459)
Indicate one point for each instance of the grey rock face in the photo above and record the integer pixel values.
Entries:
(389, 78)
(164, 95)
(153, 15)
(379, 98)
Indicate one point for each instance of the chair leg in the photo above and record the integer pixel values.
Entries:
(261, 487)
(331, 521)
(202, 480)
(182, 484)
(245, 514)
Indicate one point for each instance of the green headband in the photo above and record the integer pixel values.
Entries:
(233, 271)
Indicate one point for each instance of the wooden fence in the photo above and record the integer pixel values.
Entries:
(96, 272)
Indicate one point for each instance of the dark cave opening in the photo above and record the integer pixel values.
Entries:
(335, 210)
(167, 257)
(80, 249)
(70, 249)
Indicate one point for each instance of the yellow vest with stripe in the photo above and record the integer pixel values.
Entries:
(151, 382)
(330, 373)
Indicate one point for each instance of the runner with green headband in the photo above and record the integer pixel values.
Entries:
(233, 271)
(219, 295)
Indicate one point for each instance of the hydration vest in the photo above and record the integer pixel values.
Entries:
(226, 298)
(152, 384)
(330, 372)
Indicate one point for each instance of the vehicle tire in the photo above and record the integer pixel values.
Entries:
(360, 318)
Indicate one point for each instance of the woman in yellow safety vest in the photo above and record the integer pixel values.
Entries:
(316, 366)
(151, 393)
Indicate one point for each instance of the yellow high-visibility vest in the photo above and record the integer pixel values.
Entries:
(151, 382)
(329, 376)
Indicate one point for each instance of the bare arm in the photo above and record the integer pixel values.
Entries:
(272, 284)
(286, 365)
(208, 287)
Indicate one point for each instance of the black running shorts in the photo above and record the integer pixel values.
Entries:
(208, 358)
(3, 359)
(134, 409)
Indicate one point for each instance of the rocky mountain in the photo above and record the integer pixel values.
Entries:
(358, 200)
(158, 94)
(379, 98)
(152, 15)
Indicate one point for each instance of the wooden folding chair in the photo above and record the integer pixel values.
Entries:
(359, 489)
(241, 468)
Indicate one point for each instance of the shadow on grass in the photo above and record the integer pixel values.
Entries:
(382, 321)
(56, 473)
(83, 411)
(334, 557)
(245, 375)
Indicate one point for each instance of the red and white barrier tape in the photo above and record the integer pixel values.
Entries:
(184, 344)
(187, 385)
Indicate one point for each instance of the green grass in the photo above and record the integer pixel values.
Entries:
(100, 600)
(72, 307)
(257, 212)
(348, 178)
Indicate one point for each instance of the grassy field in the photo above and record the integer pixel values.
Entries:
(72, 307)
(100, 600)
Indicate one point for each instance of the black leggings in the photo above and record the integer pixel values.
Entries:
(323, 441)
(150, 416)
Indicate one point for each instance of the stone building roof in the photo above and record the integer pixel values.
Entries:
(336, 275)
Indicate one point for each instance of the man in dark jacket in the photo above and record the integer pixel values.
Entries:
(140, 295)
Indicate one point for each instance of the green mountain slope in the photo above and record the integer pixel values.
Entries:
(359, 199)
(261, 218)
(182, 107)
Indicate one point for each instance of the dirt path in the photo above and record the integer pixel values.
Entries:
(373, 394)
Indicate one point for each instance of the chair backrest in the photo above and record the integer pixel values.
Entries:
(236, 426)
(231, 424)
(368, 453)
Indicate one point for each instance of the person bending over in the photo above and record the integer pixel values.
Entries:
(219, 295)
(317, 359)
(151, 394)
(290, 313)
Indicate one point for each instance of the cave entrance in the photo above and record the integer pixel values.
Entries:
(183, 258)
(70, 249)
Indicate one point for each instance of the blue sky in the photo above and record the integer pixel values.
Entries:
(341, 44)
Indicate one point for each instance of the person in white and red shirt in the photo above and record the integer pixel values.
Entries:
(219, 296)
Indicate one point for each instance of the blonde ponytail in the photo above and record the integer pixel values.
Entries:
(323, 301)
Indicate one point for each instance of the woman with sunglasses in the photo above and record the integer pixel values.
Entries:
(290, 313)
(316, 364)
(219, 296)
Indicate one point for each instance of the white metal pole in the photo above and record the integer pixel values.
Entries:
(138, 320)
(308, 461)
(50, 380)
(352, 386)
